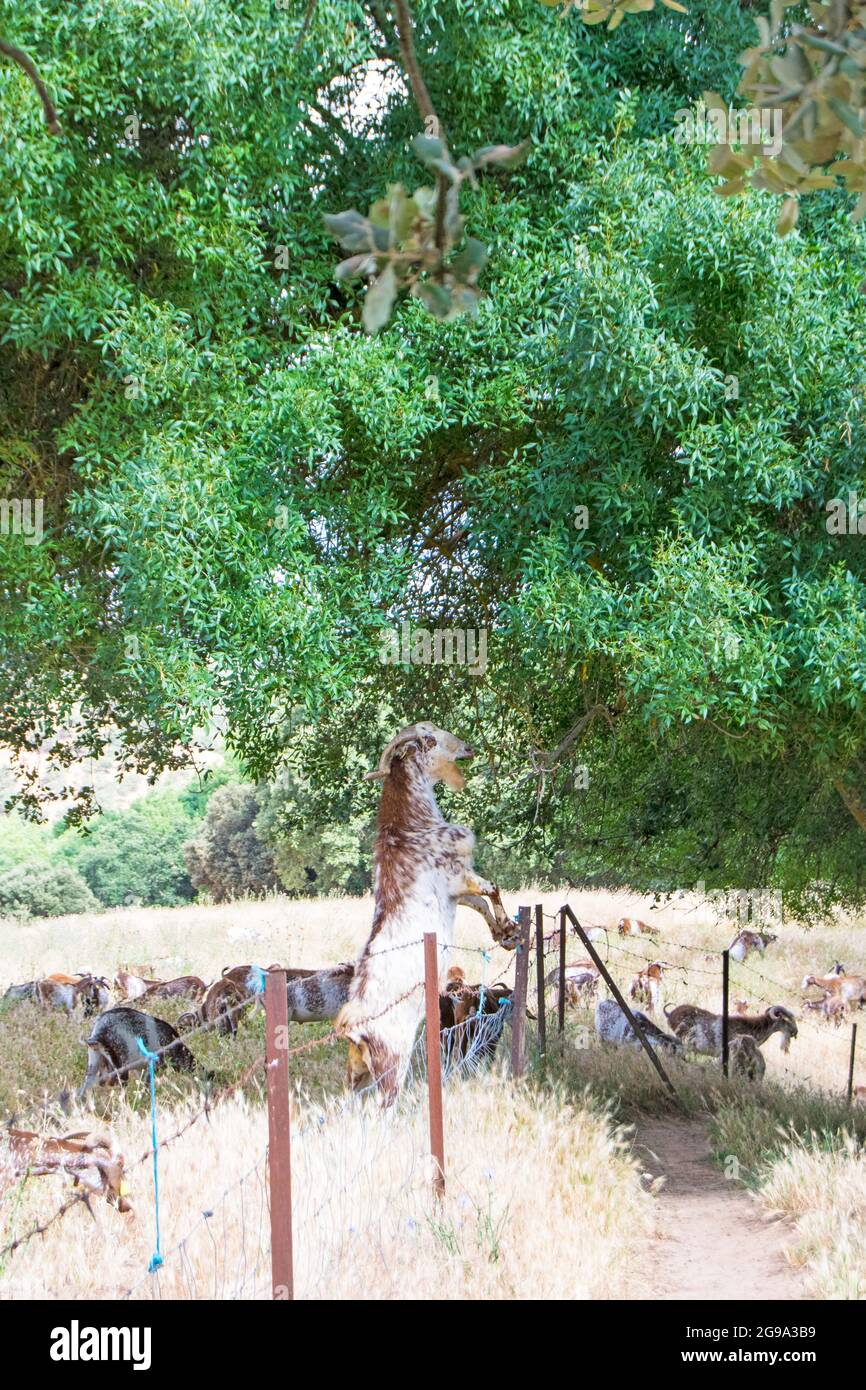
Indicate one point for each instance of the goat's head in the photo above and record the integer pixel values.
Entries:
(466, 1002)
(434, 750)
(838, 969)
(785, 1022)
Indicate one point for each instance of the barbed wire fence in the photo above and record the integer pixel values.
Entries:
(790, 996)
(338, 1185)
(320, 1195)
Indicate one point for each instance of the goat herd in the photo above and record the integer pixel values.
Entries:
(120, 1031)
(699, 1029)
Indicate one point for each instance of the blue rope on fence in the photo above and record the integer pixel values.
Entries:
(152, 1059)
(258, 975)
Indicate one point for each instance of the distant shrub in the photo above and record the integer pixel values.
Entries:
(23, 842)
(136, 855)
(314, 856)
(44, 890)
(195, 797)
(226, 858)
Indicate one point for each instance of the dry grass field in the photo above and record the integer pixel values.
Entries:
(545, 1198)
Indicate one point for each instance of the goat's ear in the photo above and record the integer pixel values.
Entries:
(413, 745)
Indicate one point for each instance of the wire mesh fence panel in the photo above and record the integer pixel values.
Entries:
(225, 1254)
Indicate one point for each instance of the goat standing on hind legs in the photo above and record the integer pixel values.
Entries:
(422, 869)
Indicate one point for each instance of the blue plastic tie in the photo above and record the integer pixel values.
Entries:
(258, 975)
(152, 1059)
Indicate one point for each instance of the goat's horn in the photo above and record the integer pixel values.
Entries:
(388, 753)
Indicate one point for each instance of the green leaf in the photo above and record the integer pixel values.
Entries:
(354, 267)
(508, 156)
(434, 297)
(469, 263)
(379, 300)
(428, 148)
(847, 115)
(788, 216)
(351, 229)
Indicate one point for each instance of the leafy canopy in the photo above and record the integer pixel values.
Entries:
(242, 489)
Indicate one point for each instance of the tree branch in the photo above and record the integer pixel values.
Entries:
(406, 35)
(27, 65)
(425, 106)
(851, 801)
(308, 15)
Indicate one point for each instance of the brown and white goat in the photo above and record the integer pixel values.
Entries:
(249, 977)
(320, 996)
(455, 979)
(422, 869)
(632, 926)
(581, 982)
(702, 1030)
(184, 987)
(831, 1007)
(747, 941)
(71, 991)
(851, 989)
(647, 984)
(130, 985)
(470, 1005)
(90, 1160)
(220, 1008)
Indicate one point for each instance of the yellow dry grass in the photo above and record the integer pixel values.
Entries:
(509, 1226)
(543, 1200)
(825, 1196)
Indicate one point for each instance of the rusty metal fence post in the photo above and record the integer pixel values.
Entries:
(851, 1063)
(726, 1000)
(518, 1007)
(539, 983)
(434, 1062)
(279, 1134)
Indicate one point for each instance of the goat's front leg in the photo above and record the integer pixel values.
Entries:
(472, 892)
(478, 904)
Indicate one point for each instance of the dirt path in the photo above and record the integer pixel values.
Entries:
(711, 1242)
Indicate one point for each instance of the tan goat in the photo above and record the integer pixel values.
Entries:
(702, 1030)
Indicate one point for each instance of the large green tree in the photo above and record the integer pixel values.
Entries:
(242, 488)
